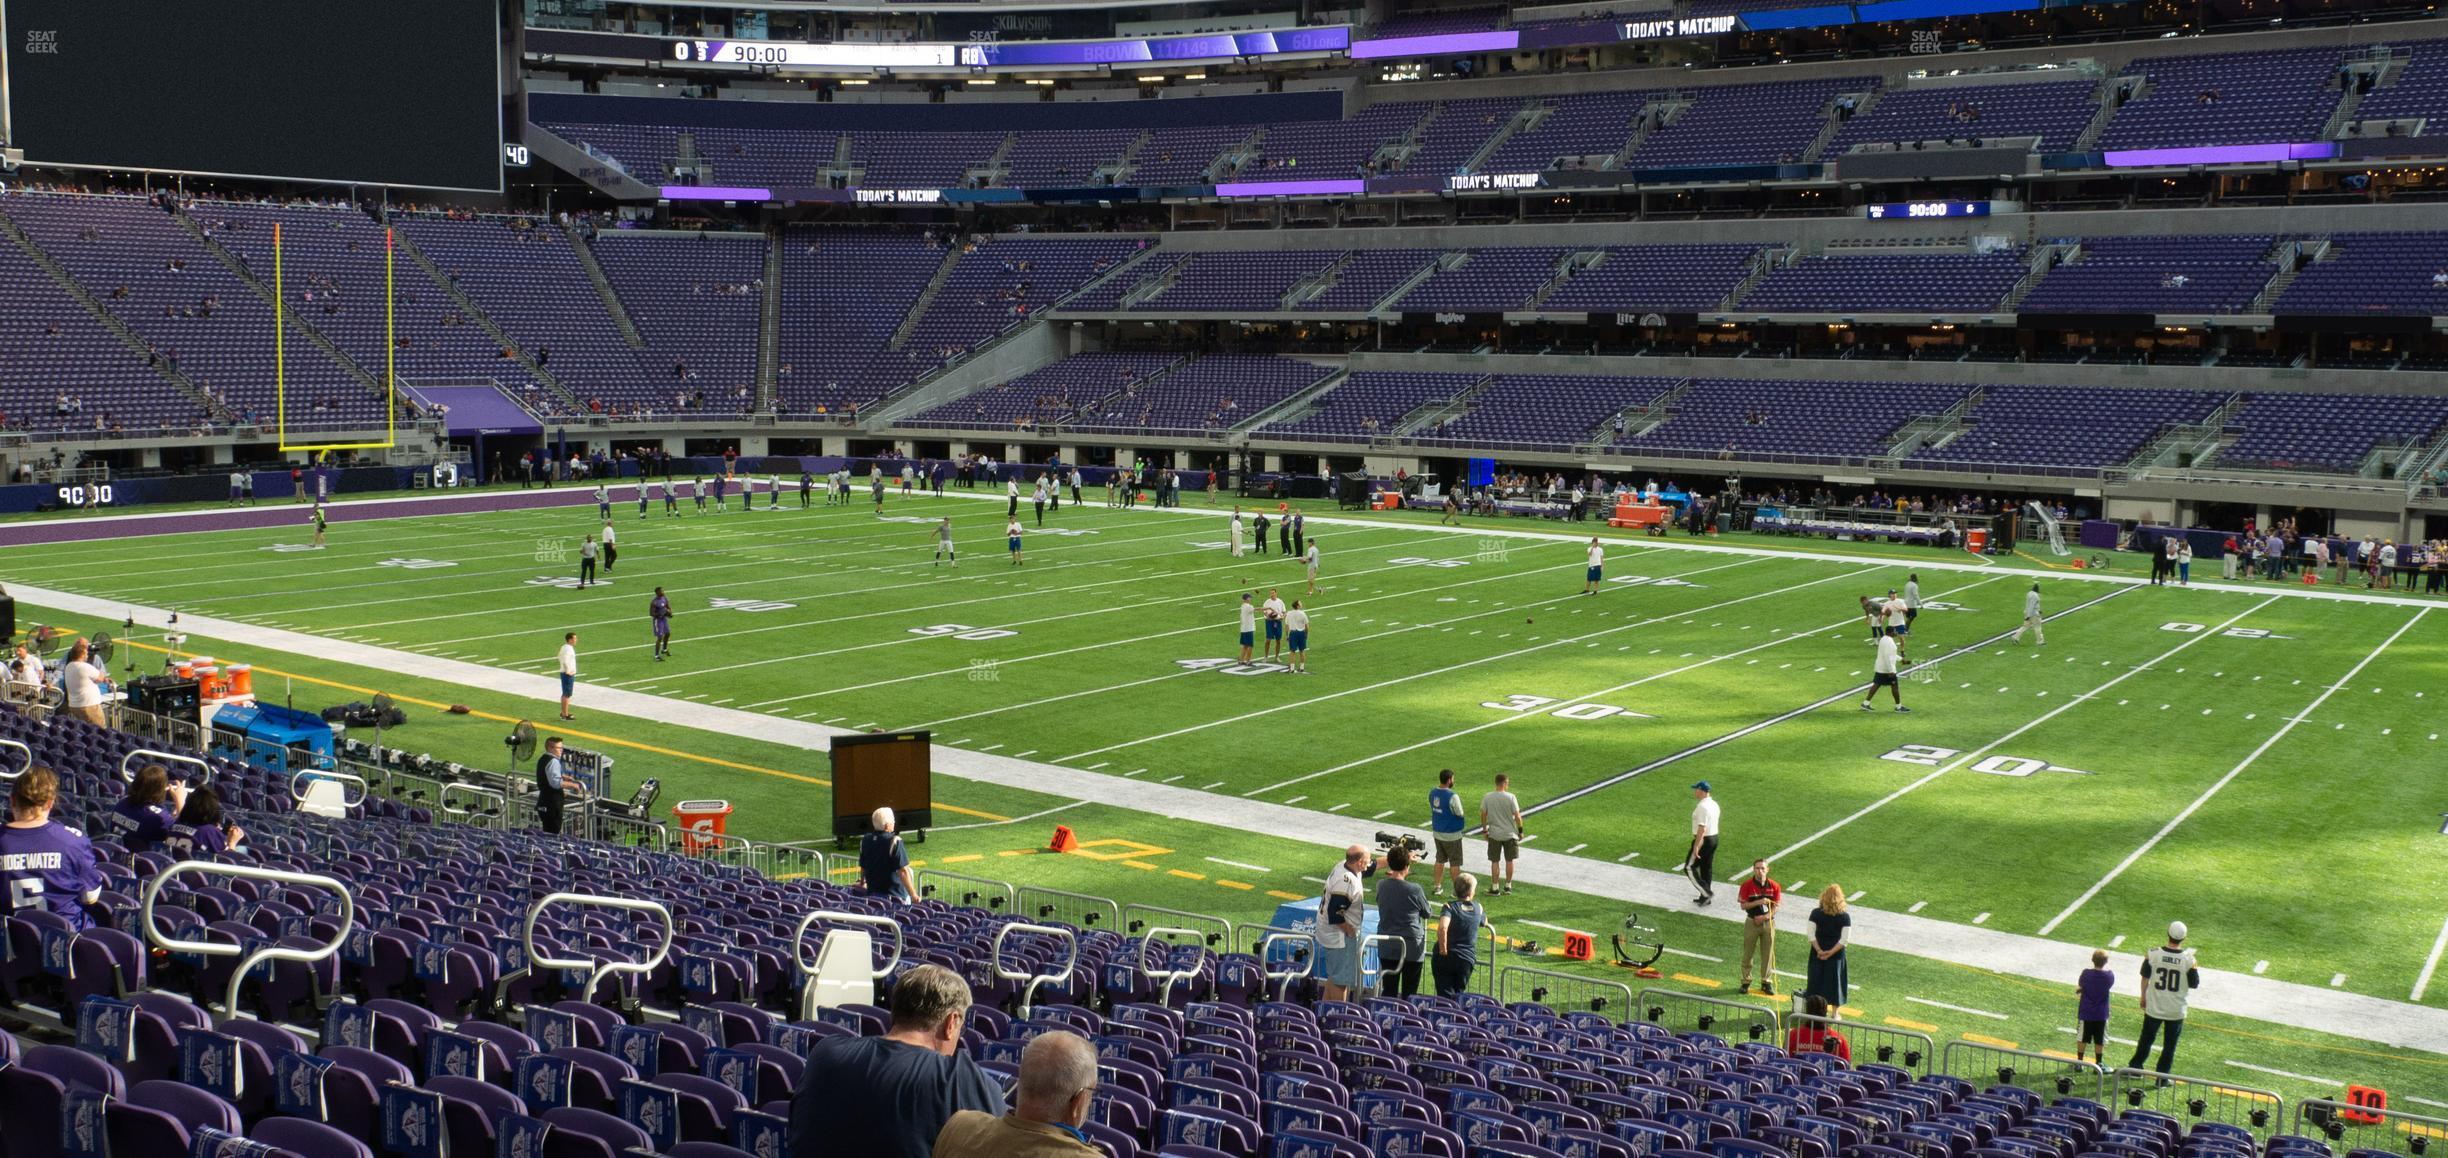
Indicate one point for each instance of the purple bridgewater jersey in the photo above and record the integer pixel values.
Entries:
(50, 867)
(140, 827)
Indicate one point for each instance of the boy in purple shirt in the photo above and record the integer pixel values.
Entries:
(45, 864)
(2095, 985)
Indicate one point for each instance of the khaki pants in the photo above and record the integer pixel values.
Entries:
(92, 715)
(1760, 937)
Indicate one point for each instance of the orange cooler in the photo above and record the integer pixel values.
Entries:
(241, 681)
(208, 682)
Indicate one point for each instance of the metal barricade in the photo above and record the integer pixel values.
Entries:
(967, 891)
(807, 965)
(1215, 932)
(1166, 979)
(247, 962)
(596, 971)
(802, 858)
(631, 831)
(1912, 1052)
(1301, 954)
(2198, 1100)
(1031, 982)
(2043, 1074)
(1251, 938)
(1077, 909)
(22, 769)
(164, 730)
(2349, 1127)
(127, 763)
(1564, 992)
(1736, 1021)
(302, 782)
(491, 811)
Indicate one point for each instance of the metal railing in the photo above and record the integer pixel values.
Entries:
(1694, 1013)
(1166, 979)
(127, 769)
(807, 966)
(1030, 983)
(974, 892)
(2048, 1076)
(28, 753)
(1079, 909)
(801, 858)
(1372, 963)
(1914, 1053)
(1565, 992)
(247, 962)
(596, 971)
(1302, 954)
(496, 817)
(2349, 1127)
(302, 782)
(2198, 1100)
(1214, 932)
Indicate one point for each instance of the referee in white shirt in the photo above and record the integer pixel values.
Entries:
(1701, 865)
(569, 671)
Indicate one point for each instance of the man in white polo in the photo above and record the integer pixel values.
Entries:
(1700, 867)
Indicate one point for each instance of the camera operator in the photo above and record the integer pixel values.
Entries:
(1402, 913)
(1340, 914)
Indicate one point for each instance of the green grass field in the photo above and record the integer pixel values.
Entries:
(2256, 764)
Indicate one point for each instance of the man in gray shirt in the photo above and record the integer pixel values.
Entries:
(1501, 812)
(1402, 912)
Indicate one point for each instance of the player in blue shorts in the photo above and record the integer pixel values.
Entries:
(671, 500)
(1296, 639)
(641, 498)
(1273, 609)
(1249, 626)
(1597, 566)
(603, 502)
(1011, 531)
(719, 482)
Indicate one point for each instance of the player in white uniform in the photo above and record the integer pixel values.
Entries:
(1296, 632)
(1274, 609)
(1895, 615)
(1912, 600)
(1311, 561)
(1236, 533)
(943, 544)
(1597, 567)
(701, 494)
(2169, 976)
(1883, 674)
(2031, 618)
(1249, 626)
(1011, 531)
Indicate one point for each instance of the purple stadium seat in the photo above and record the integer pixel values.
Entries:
(309, 1139)
(159, 1117)
(31, 1092)
(584, 1133)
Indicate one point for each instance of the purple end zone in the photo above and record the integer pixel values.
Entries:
(73, 529)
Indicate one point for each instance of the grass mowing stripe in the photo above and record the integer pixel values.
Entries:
(2232, 773)
(1006, 625)
(1550, 709)
(1409, 629)
(1978, 753)
(1763, 725)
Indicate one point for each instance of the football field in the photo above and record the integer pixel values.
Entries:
(2260, 761)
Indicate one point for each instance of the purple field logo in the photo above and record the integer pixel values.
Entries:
(42, 42)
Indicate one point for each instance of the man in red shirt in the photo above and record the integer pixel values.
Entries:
(1759, 897)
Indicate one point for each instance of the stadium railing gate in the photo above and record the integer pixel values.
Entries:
(1563, 992)
(795, 859)
(2049, 1075)
(1373, 969)
(22, 768)
(260, 955)
(1032, 903)
(1912, 1052)
(1215, 933)
(1030, 983)
(596, 970)
(806, 963)
(2349, 1128)
(1166, 979)
(128, 763)
(302, 782)
(474, 806)
(2198, 1100)
(1299, 958)
(162, 729)
(971, 892)
(1735, 1021)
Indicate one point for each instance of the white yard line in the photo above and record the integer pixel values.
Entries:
(1978, 753)
(2330, 1082)
(1956, 1008)
(1256, 868)
(2431, 963)
(2232, 773)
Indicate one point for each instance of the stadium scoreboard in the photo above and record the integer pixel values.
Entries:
(308, 90)
(1926, 210)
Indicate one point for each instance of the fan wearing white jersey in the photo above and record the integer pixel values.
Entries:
(1883, 674)
(2169, 976)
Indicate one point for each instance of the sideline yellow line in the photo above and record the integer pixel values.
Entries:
(591, 737)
